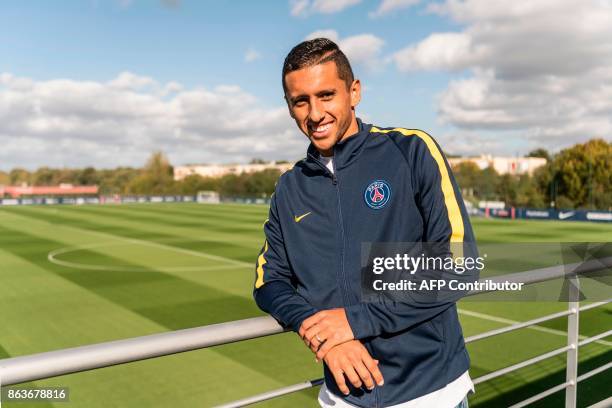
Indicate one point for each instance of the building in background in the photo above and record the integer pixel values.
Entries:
(220, 170)
(47, 191)
(503, 165)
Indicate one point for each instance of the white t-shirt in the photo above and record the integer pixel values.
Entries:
(447, 397)
(328, 161)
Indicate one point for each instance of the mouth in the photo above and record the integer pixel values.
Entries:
(321, 130)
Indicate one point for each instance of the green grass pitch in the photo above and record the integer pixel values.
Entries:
(77, 275)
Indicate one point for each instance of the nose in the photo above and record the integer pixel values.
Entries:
(316, 113)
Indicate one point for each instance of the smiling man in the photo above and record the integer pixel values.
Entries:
(360, 183)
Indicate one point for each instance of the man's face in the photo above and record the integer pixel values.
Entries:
(321, 104)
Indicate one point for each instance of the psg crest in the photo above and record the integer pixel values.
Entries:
(377, 194)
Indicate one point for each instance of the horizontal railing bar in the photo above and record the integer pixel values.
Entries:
(541, 395)
(21, 369)
(595, 338)
(520, 365)
(594, 372)
(548, 273)
(533, 322)
(594, 305)
(607, 403)
(516, 326)
(272, 394)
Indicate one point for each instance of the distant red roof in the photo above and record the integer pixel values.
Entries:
(62, 189)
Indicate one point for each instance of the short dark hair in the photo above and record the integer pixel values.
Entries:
(314, 52)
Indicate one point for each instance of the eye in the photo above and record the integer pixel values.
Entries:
(327, 96)
(299, 102)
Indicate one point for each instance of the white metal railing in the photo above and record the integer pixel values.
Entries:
(22, 369)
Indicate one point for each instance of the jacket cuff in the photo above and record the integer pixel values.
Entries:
(282, 302)
(360, 320)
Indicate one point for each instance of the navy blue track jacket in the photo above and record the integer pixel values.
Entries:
(310, 260)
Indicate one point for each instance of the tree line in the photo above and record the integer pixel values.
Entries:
(576, 177)
(155, 178)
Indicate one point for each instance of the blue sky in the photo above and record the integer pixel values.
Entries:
(434, 66)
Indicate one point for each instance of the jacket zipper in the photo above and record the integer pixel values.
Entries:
(334, 177)
(345, 292)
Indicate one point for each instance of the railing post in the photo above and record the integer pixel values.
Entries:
(572, 341)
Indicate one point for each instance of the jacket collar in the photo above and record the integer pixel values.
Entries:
(347, 150)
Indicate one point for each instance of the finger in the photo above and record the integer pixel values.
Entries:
(312, 320)
(364, 374)
(310, 333)
(328, 345)
(372, 366)
(339, 377)
(314, 346)
(351, 374)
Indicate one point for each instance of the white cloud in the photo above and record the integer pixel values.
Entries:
(542, 68)
(251, 55)
(302, 8)
(332, 6)
(387, 6)
(440, 51)
(331, 34)
(67, 122)
(299, 7)
(360, 49)
(128, 80)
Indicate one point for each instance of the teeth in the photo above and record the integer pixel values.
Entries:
(322, 128)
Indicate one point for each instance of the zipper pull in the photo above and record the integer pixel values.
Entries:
(334, 181)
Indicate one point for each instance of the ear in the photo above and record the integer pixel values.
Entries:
(355, 93)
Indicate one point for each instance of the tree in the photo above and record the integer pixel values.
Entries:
(88, 177)
(45, 176)
(155, 178)
(466, 175)
(582, 174)
(194, 183)
(257, 161)
(539, 152)
(19, 176)
(4, 178)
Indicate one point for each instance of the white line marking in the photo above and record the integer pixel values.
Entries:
(52, 257)
(535, 327)
(149, 243)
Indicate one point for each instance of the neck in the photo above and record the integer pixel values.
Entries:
(352, 129)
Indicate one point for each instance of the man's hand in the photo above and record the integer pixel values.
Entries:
(351, 359)
(324, 330)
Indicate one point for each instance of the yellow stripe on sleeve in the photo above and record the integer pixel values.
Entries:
(261, 261)
(452, 206)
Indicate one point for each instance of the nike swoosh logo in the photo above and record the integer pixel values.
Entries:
(298, 219)
(563, 215)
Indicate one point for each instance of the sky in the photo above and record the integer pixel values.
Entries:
(104, 83)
